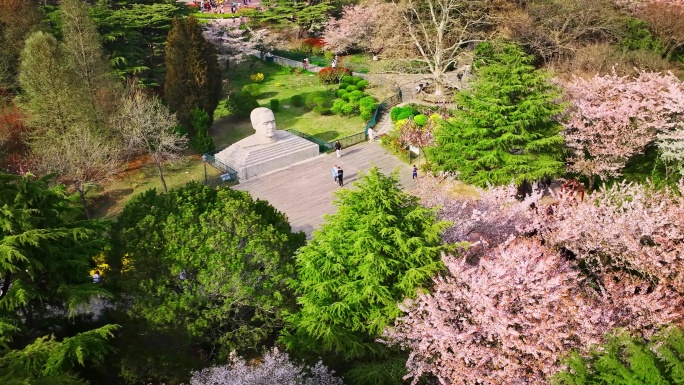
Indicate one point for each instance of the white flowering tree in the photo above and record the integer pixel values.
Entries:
(274, 368)
(234, 45)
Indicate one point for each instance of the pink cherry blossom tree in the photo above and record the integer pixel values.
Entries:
(510, 310)
(355, 29)
(671, 146)
(234, 45)
(612, 118)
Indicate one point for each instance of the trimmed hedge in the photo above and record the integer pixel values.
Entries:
(340, 92)
(275, 105)
(420, 120)
(362, 84)
(297, 100)
(351, 88)
(312, 96)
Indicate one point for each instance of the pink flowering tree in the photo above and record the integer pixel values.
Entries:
(613, 117)
(233, 44)
(627, 226)
(510, 312)
(671, 146)
(416, 133)
(355, 29)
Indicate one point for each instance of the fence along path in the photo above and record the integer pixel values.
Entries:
(304, 191)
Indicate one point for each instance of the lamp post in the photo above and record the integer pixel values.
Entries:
(204, 160)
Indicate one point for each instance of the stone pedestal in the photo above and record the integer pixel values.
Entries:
(251, 161)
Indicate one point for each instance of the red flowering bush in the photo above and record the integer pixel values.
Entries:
(314, 42)
(329, 75)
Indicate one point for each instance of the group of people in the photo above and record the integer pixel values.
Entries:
(338, 175)
(219, 6)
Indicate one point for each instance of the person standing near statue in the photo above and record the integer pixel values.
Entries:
(338, 148)
(340, 176)
(334, 174)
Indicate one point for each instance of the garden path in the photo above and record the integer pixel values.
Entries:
(304, 191)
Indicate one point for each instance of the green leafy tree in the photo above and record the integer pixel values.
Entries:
(310, 17)
(504, 128)
(214, 263)
(68, 99)
(17, 20)
(627, 360)
(202, 142)
(134, 33)
(45, 257)
(380, 247)
(193, 78)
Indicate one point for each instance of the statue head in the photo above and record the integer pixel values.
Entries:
(263, 122)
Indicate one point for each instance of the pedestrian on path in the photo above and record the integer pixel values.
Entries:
(371, 134)
(415, 172)
(338, 148)
(334, 174)
(340, 176)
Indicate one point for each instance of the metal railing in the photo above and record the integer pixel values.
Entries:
(382, 107)
(351, 140)
(323, 146)
(227, 173)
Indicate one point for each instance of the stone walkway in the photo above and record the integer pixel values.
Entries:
(304, 191)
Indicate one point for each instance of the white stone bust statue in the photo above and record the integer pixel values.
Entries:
(263, 122)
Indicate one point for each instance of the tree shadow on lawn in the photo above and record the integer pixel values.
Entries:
(267, 95)
(226, 131)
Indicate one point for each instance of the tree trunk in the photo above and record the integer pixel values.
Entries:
(161, 176)
(82, 194)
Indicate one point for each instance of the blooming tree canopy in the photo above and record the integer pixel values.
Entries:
(511, 310)
(355, 29)
(274, 368)
(234, 44)
(615, 117)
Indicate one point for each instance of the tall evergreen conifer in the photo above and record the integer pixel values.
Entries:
(504, 128)
(380, 247)
(193, 77)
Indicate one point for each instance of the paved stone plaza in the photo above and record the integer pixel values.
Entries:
(304, 191)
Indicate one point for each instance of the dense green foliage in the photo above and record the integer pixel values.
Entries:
(380, 247)
(504, 128)
(240, 104)
(193, 78)
(202, 141)
(627, 360)
(45, 255)
(133, 34)
(309, 17)
(213, 263)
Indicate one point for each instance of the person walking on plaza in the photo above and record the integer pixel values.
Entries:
(334, 174)
(340, 176)
(415, 172)
(338, 148)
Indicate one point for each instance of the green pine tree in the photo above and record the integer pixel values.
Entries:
(626, 360)
(193, 77)
(504, 128)
(380, 247)
(45, 256)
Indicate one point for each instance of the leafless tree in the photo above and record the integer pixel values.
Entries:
(148, 126)
(83, 157)
(442, 30)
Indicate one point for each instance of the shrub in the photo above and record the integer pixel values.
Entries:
(355, 80)
(420, 120)
(330, 75)
(257, 77)
(366, 115)
(321, 110)
(351, 88)
(201, 142)
(297, 100)
(399, 113)
(345, 96)
(343, 86)
(362, 84)
(319, 101)
(318, 51)
(356, 95)
(312, 96)
(253, 89)
(349, 108)
(348, 79)
(367, 99)
(241, 103)
(339, 93)
(337, 106)
(275, 105)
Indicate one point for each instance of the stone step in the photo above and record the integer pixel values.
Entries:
(281, 150)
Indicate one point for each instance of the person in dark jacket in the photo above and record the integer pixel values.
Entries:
(340, 176)
(338, 148)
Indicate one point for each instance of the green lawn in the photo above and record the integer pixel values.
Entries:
(280, 83)
(140, 177)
